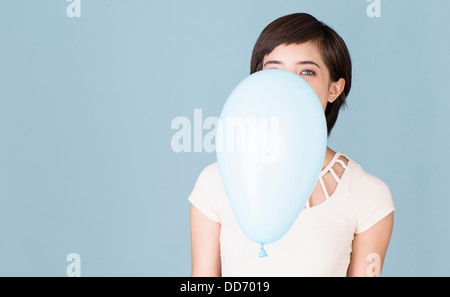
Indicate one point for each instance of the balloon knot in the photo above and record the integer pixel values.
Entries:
(262, 252)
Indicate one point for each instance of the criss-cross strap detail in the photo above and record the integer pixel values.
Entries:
(336, 178)
(323, 187)
(331, 164)
(329, 168)
(342, 162)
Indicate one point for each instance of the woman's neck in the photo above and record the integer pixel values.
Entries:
(328, 157)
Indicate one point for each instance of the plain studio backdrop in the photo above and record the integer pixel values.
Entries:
(86, 106)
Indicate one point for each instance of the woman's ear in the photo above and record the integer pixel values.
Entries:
(336, 89)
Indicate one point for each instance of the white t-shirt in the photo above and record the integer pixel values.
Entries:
(319, 243)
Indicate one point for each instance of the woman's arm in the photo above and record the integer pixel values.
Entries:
(205, 245)
(369, 249)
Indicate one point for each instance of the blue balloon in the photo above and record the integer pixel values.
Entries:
(270, 144)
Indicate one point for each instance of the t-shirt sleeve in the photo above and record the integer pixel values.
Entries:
(371, 198)
(201, 196)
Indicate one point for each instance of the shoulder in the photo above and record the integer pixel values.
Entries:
(370, 197)
(208, 192)
(365, 183)
(209, 175)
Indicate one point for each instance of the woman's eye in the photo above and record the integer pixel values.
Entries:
(307, 72)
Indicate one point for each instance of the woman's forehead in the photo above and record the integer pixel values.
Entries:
(287, 53)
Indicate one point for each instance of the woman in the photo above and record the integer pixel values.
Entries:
(347, 222)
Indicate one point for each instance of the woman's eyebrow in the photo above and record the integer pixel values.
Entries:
(308, 63)
(298, 63)
(273, 62)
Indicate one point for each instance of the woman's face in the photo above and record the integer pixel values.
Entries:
(305, 60)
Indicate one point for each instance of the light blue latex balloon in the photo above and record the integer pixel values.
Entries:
(269, 178)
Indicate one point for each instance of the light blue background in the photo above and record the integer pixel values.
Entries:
(86, 105)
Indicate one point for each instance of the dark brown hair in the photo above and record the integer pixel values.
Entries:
(299, 28)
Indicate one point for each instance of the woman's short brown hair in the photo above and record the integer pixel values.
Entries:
(298, 28)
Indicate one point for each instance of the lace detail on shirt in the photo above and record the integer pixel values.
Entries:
(334, 175)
